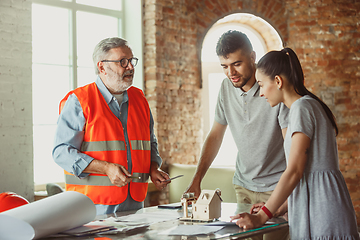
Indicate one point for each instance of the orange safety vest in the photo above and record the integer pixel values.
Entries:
(104, 140)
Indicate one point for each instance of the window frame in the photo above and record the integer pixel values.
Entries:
(128, 22)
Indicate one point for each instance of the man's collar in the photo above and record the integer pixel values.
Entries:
(252, 92)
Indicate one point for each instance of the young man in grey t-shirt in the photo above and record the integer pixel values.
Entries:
(257, 128)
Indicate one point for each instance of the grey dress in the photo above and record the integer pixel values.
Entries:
(320, 206)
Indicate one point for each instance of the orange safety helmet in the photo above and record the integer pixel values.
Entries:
(9, 200)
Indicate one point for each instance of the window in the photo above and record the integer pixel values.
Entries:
(64, 34)
(212, 73)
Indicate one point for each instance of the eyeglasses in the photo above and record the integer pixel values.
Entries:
(125, 61)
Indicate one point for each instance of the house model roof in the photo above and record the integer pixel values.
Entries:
(206, 196)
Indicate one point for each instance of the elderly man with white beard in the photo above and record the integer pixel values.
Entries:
(105, 139)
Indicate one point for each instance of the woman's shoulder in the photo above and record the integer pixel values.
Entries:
(306, 103)
(304, 107)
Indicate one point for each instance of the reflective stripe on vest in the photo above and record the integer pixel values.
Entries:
(140, 145)
(114, 146)
(95, 180)
(103, 146)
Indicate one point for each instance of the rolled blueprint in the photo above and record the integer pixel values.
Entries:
(47, 216)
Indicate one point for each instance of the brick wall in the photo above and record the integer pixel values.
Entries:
(324, 34)
(172, 79)
(16, 166)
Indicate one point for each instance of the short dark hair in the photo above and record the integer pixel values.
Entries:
(231, 41)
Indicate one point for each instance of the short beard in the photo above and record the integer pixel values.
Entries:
(246, 80)
(123, 85)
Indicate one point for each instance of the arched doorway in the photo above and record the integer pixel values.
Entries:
(263, 37)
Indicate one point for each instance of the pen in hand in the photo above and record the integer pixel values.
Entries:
(172, 178)
(134, 177)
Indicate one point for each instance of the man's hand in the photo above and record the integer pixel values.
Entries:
(195, 188)
(158, 176)
(117, 174)
(255, 208)
(208, 153)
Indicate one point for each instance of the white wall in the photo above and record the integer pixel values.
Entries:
(16, 146)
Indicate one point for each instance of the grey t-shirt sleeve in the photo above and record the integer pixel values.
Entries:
(302, 119)
(219, 109)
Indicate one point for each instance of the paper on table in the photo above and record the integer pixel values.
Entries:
(119, 227)
(221, 223)
(51, 215)
(189, 230)
(18, 228)
(88, 229)
(150, 217)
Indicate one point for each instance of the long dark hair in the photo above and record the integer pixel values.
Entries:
(286, 63)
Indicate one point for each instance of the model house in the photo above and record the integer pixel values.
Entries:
(208, 206)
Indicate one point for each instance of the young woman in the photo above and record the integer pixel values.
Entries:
(319, 204)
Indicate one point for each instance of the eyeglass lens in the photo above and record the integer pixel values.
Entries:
(125, 62)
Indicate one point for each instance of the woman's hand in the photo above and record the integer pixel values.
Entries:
(249, 221)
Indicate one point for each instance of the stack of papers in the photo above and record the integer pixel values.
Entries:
(86, 230)
(189, 230)
(135, 221)
(119, 227)
(151, 217)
